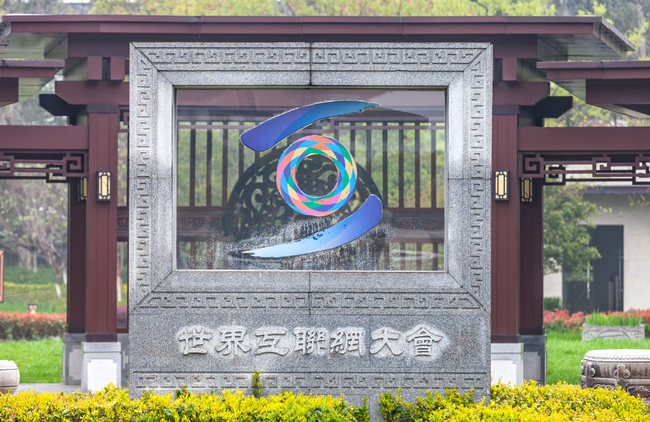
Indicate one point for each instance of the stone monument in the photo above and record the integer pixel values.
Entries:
(212, 298)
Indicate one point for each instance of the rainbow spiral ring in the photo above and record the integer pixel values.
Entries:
(316, 205)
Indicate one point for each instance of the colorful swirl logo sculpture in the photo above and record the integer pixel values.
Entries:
(269, 133)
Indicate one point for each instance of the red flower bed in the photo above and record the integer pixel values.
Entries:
(20, 326)
(561, 319)
(645, 314)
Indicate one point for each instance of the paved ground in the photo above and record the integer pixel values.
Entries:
(48, 388)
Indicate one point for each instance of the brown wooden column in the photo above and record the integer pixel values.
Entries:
(76, 294)
(101, 226)
(531, 268)
(505, 230)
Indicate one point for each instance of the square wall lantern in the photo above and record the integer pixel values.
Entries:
(103, 185)
(82, 189)
(501, 180)
(527, 195)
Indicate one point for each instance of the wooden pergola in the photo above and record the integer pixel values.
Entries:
(91, 53)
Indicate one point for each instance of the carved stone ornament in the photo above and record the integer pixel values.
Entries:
(358, 333)
(625, 368)
(9, 377)
(590, 332)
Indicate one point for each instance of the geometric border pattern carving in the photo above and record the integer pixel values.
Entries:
(463, 289)
(471, 62)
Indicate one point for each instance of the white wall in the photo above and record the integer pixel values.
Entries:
(553, 285)
(636, 248)
(636, 245)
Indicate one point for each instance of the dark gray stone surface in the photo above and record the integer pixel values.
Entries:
(335, 332)
(534, 358)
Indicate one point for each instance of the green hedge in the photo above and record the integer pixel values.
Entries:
(533, 403)
(18, 275)
(530, 403)
(22, 326)
(617, 318)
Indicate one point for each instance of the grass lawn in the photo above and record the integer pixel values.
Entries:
(17, 296)
(38, 361)
(564, 351)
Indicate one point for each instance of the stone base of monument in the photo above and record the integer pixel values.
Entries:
(9, 377)
(123, 339)
(102, 365)
(590, 332)
(507, 363)
(625, 368)
(72, 358)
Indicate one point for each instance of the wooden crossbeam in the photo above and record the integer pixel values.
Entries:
(44, 138)
(583, 139)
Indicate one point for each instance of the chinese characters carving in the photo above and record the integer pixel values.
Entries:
(268, 343)
(310, 340)
(233, 339)
(386, 337)
(349, 339)
(422, 341)
(193, 339)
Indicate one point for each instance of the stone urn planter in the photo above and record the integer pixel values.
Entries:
(625, 368)
(633, 332)
(9, 377)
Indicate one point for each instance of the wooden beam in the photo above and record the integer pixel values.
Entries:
(117, 69)
(583, 139)
(520, 93)
(510, 69)
(76, 292)
(94, 68)
(89, 92)
(618, 92)
(101, 231)
(531, 264)
(505, 235)
(50, 138)
(8, 91)
(34, 69)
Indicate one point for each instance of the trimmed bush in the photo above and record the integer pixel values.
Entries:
(18, 275)
(551, 303)
(21, 326)
(614, 318)
(531, 402)
(112, 404)
(560, 320)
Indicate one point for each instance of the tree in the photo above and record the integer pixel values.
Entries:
(628, 16)
(33, 214)
(567, 220)
(327, 7)
(40, 7)
(33, 217)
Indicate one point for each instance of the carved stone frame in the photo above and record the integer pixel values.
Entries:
(461, 293)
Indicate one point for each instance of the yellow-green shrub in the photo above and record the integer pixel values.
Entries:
(113, 404)
(529, 403)
(557, 403)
